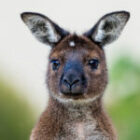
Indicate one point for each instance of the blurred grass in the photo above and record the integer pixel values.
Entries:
(125, 87)
(16, 116)
(126, 116)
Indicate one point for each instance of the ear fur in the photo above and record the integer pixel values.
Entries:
(108, 28)
(43, 28)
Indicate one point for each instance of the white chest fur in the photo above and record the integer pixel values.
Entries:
(88, 131)
(83, 131)
(81, 126)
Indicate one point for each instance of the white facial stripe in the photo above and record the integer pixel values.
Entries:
(72, 43)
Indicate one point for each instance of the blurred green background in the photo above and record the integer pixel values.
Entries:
(17, 116)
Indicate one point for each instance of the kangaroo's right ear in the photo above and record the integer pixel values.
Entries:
(43, 28)
(108, 28)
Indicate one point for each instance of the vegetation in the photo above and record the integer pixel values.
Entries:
(125, 87)
(17, 117)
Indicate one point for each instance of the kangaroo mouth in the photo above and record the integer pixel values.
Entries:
(72, 93)
(74, 96)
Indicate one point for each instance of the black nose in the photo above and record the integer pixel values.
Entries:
(70, 81)
(72, 84)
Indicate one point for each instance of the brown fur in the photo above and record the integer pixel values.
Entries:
(55, 118)
(59, 120)
(84, 50)
(76, 78)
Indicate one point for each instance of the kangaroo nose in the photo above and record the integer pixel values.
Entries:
(71, 81)
(72, 84)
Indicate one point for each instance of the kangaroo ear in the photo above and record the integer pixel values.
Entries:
(108, 28)
(43, 28)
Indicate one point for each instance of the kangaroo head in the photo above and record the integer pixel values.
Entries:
(77, 66)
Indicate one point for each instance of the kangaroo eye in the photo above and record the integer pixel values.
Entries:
(93, 63)
(55, 64)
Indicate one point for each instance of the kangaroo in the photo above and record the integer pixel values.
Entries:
(76, 78)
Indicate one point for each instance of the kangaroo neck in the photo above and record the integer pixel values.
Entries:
(74, 111)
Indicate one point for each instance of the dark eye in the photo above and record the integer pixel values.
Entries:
(55, 64)
(93, 63)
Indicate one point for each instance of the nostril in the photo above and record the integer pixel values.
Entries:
(66, 82)
(76, 81)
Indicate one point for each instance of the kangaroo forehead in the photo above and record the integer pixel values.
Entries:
(76, 44)
(74, 41)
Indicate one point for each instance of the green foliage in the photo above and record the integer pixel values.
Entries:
(125, 112)
(16, 116)
(126, 116)
(125, 77)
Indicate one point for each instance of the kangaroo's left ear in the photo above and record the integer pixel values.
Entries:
(108, 28)
(43, 28)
